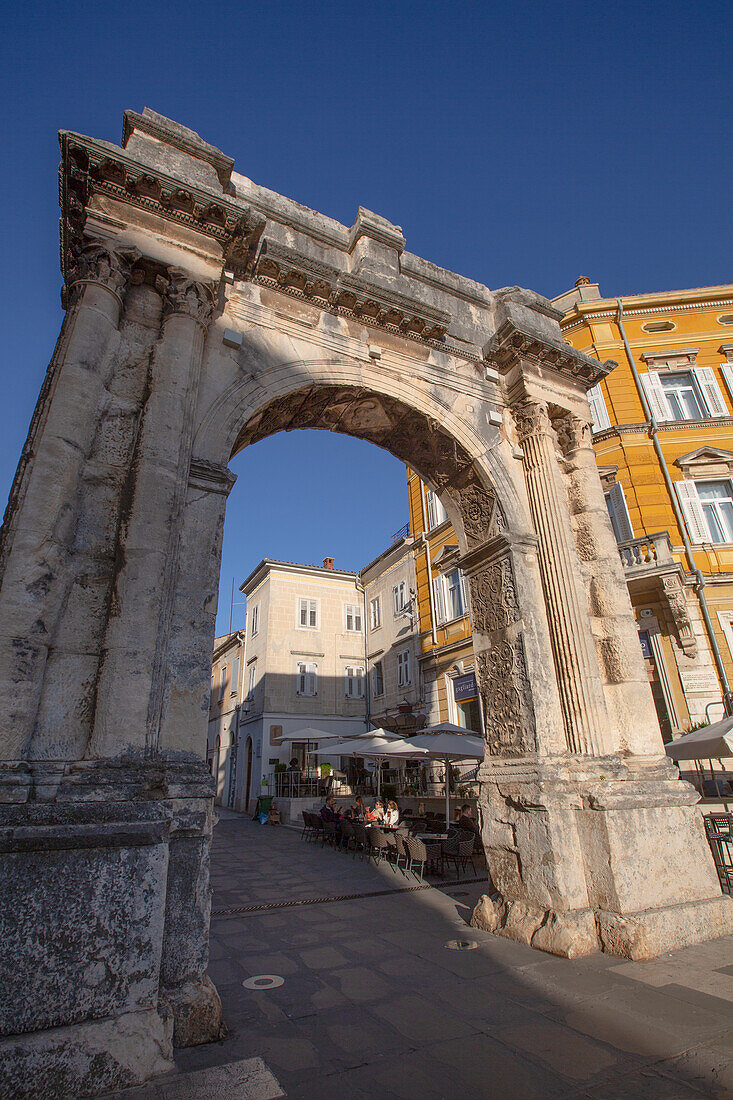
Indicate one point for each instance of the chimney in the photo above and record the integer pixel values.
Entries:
(328, 563)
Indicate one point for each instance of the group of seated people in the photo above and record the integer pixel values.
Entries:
(388, 815)
(374, 815)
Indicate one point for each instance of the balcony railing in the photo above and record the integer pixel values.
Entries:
(651, 552)
(401, 534)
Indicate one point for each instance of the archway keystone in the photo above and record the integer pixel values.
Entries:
(204, 313)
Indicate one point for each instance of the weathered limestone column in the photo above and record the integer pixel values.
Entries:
(40, 522)
(135, 649)
(633, 725)
(581, 692)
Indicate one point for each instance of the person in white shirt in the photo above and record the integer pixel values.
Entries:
(392, 814)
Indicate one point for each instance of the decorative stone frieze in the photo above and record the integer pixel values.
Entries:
(674, 595)
(189, 298)
(100, 262)
(506, 698)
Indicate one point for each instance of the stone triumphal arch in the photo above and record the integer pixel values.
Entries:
(203, 313)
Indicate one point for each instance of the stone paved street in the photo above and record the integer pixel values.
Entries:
(374, 1003)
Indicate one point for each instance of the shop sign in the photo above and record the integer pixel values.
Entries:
(464, 687)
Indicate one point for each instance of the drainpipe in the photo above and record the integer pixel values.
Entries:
(367, 697)
(689, 553)
(433, 629)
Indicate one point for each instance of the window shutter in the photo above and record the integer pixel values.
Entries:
(357, 618)
(711, 392)
(312, 674)
(430, 499)
(359, 683)
(726, 369)
(301, 680)
(620, 518)
(598, 410)
(303, 612)
(439, 597)
(406, 666)
(656, 396)
(313, 613)
(464, 592)
(692, 511)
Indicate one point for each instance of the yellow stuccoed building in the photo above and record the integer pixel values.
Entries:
(663, 437)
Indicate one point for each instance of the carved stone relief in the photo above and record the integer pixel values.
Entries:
(99, 262)
(494, 603)
(674, 594)
(481, 513)
(506, 698)
(187, 296)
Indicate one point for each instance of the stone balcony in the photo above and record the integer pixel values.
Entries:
(650, 559)
(651, 554)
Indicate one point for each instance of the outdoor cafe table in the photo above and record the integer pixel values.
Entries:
(431, 836)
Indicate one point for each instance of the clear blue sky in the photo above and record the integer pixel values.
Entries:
(514, 142)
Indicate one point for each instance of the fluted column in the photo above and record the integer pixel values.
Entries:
(40, 523)
(581, 691)
(135, 652)
(626, 684)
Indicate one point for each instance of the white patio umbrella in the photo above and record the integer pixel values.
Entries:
(377, 746)
(444, 743)
(310, 734)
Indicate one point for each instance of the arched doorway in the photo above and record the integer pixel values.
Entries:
(202, 317)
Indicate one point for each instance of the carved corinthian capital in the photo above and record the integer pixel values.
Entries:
(531, 419)
(572, 432)
(188, 297)
(100, 262)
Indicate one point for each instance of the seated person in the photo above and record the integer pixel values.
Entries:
(392, 814)
(467, 821)
(358, 810)
(328, 810)
(376, 814)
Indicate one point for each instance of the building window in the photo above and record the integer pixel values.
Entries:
(375, 615)
(308, 613)
(234, 686)
(252, 679)
(659, 326)
(598, 410)
(254, 620)
(354, 682)
(708, 509)
(399, 597)
(618, 513)
(222, 682)
(307, 678)
(378, 678)
(436, 512)
(403, 668)
(716, 498)
(450, 596)
(684, 395)
(353, 617)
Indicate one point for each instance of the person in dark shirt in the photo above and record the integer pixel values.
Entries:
(328, 812)
(467, 821)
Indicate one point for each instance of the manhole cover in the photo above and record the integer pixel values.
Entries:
(461, 945)
(263, 981)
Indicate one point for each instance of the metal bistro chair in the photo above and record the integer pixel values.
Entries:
(379, 845)
(307, 827)
(422, 853)
(459, 850)
(361, 839)
(329, 834)
(347, 834)
(400, 840)
(719, 831)
(317, 825)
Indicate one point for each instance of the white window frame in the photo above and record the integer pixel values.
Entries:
(354, 681)
(375, 613)
(378, 679)
(222, 682)
(353, 612)
(399, 598)
(715, 507)
(234, 677)
(251, 679)
(403, 668)
(598, 410)
(618, 513)
(306, 679)
(312, 613)
(692, 509)
(441, 597)
(254, 620)
(704, 384)
(436, 512)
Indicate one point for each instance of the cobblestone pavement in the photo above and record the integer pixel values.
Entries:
(373, 1002)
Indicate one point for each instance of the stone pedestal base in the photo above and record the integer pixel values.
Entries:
(104, 915)
(591, 855)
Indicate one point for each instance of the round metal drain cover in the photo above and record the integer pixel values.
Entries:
(263, 981)
(461, 945)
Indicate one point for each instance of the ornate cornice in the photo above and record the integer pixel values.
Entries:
(285, 269)
(100, 262)
(91, 167)
(511, 344)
